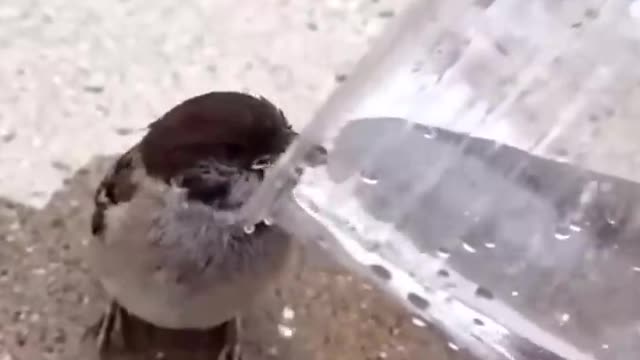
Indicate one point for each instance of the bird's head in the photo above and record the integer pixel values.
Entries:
(230, 134)
(236, 129)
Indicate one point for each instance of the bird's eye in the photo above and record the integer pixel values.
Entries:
(263, 162)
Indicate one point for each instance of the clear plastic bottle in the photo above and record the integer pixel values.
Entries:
(484, 155)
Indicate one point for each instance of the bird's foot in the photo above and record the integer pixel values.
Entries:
(231, 350)
(104, 330)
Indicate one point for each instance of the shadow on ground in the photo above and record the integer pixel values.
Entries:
(48, 296)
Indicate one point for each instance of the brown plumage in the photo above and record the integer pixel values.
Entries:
(178, 272)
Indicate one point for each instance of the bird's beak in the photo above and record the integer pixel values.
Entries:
(316, 156)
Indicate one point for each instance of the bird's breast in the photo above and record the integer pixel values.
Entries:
(179, 269)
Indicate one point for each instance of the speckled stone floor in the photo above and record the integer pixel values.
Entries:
(79, 79)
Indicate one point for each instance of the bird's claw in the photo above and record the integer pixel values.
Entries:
(103, 330)
(231, 350)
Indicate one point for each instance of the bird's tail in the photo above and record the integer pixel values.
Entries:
(120, 335)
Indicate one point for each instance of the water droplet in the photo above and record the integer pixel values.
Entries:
(611, 217)
(484, 293)
(561, 156)
(562, 233)
(636, 269)
(381, 271)
(429, 132)
(368, 178)
(7, 135)
(382, 355)
(453, 346)
(443, 273)
(268, 221)
(418, 301)
(575, 228)
(605, 346)
(418, 322)
(443, 253)
(563, 318)
(515, 293)
(490, 245)
(285, 331)
(249, 229)
(288, 313)
(468, 248)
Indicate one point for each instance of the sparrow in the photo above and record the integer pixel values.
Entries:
(164, 248)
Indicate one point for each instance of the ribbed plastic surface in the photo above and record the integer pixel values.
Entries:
(481, 166)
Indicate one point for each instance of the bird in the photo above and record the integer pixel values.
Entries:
(165, 248)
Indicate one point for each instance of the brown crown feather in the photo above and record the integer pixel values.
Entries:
(233, 127)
